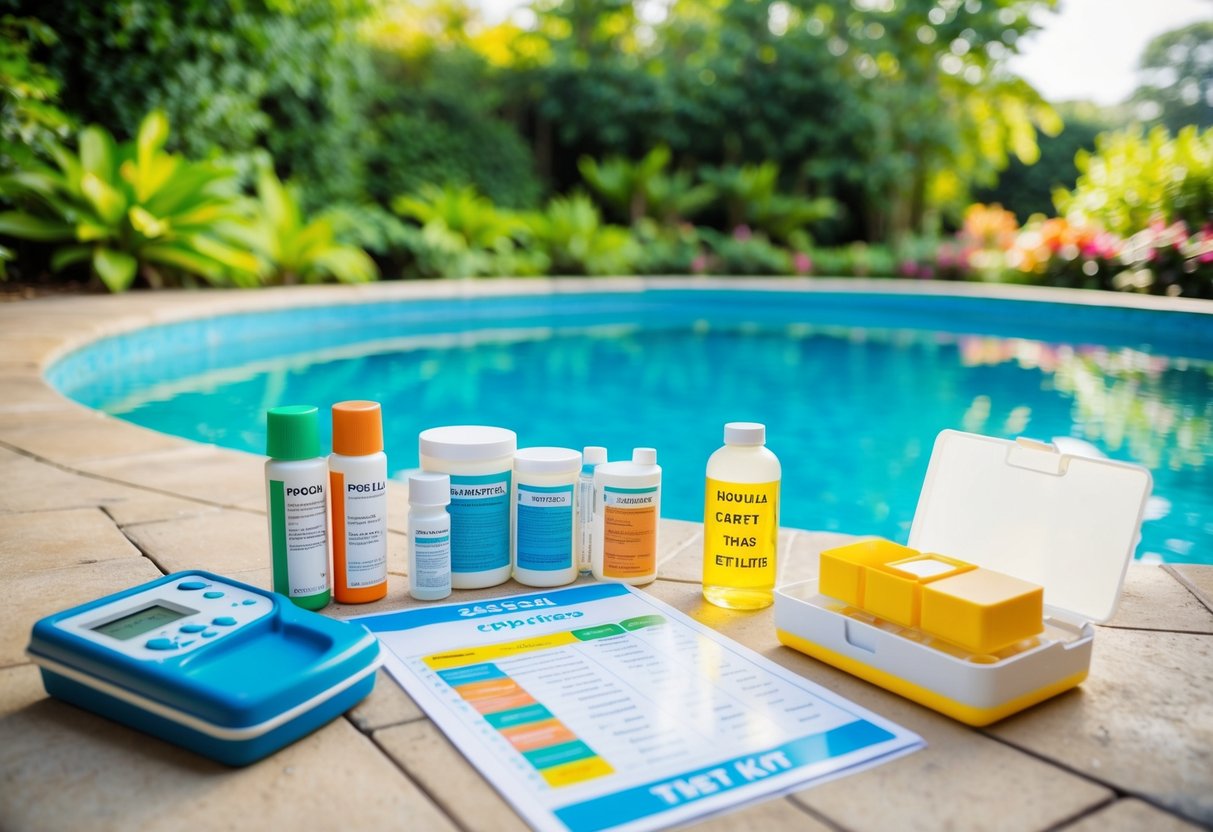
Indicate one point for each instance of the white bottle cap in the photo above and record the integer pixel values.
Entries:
(594, 455)
(545, 460)
(467, 443)
(745, 433)
(644, 456)
(426, 489)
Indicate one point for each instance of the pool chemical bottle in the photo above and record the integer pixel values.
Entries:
(480, 462)
(741, 520)
(591, 457)
(627, 506)
(295, 478)
(429, 536)
(358, 491)
(544, 549)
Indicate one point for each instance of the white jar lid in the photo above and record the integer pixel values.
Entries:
(593, 455)
(426, 489)
(644, 456)
(546, 460)
(745, 433)
(467, 443)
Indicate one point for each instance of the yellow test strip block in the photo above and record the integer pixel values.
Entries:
(893, 591)
(982, 610)
(843, 568)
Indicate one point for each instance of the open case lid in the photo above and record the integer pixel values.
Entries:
(1066, 522)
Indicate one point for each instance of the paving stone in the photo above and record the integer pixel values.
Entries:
(777, 813)
(28, 348)
(962, 780)
(29, 485)
(24, 391)
(430, 759)
(40, 540)
(200, 472)
(387, 705)
(119, 779)
(32, 595)
(86, 439)
(1142, 721)
(224, 541)
(1153, 599)
(20, 687)
(1130, 816)
(1198, 578)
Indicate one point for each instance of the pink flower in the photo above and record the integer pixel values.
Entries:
(742, 233)
(802, 263)
(700, 264)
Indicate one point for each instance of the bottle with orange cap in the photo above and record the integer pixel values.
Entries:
(358, 485)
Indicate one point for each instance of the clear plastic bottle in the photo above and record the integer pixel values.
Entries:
(358, 491)
(741, 520)
(429, 536)
(591, 457)
(627, 512)
(296, 497)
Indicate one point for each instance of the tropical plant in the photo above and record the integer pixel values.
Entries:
(1133, 180)
(745, 253)
(296, 249)
(462, 233)
(751, 196)
(133, 208)
(644, 189)
(570, 232)
(29, 116)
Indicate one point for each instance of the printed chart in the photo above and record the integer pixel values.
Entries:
(598, 707)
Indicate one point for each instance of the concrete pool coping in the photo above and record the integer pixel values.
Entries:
(90, 504)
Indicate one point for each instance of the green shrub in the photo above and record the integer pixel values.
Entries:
(132, 207)
(751, 196)
(855, 260)
(297, 249)
(644, 189)
(1134, 179)
(744, 253)
(571, 235)
(668, 250)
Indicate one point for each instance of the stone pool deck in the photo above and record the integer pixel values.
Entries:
(91, 505)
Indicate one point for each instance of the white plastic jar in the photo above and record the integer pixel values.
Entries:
(544, 551)
(480, 462)
(627, 513)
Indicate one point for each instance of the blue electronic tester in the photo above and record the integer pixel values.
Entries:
(228, 670)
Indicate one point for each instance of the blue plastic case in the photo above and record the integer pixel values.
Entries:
(222, 668)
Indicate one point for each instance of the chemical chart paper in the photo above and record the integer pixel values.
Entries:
(599, 707)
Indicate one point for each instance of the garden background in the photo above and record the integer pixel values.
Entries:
(249, 142)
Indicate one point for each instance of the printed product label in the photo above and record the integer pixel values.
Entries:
(740, 525)
(432, 552)
(629, 532)
(359, 530)
(299, 536)
(545, 527)
(480, 522)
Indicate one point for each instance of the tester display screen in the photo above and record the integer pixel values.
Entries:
(140, 622)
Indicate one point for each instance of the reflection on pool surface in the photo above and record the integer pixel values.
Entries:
(853, 388)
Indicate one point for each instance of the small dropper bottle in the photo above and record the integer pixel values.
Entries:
(429, 536)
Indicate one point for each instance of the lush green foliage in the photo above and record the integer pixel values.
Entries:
(285, 75)
(297, 249)
(1134, 179)
(29, 117)
(571, 235)
(1178, 72)
(130, 207)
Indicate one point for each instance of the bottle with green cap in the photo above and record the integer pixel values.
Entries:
(296, 478)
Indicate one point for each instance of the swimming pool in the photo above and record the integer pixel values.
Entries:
(852, 386)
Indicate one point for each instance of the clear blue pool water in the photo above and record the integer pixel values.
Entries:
(853, 387)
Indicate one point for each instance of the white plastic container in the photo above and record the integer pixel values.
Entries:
(741, 520)
(627, 512)
(544, 550)
(480, 463)
(1066, 523)
(591, 457)
(358, 492)
(296, 480)
(429, 536)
